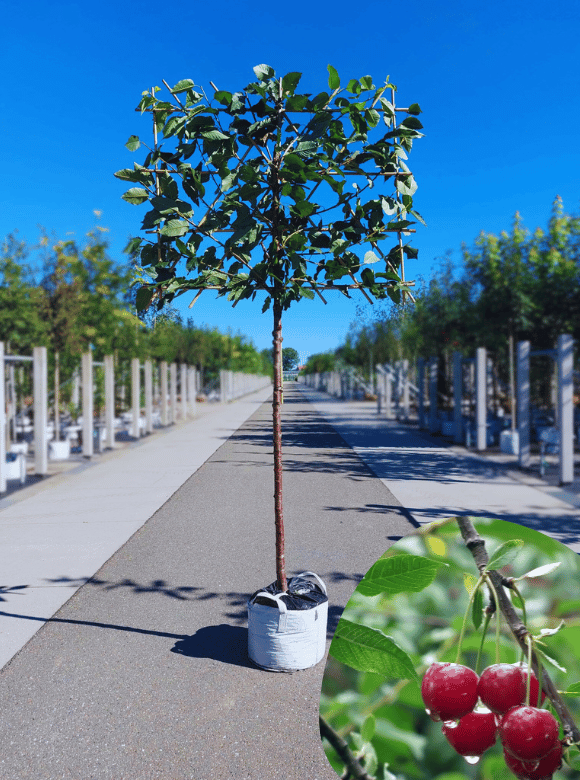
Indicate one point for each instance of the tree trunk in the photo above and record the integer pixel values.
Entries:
(277, 437)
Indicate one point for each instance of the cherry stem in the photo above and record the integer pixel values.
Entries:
(466, 616)
(519, 595)
(485, 627)
(497, 615)
(529, 677)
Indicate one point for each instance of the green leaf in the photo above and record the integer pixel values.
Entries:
(541, 571)
(370, 257)
(214, 135)
(306, 292)
(175, 227)
(144, 298)
(132, 245)
(264, 72)
(418, 216)
(133, 143)
(353, 87)
(369, 650)
(333, 78)
(573, 690)
(367, 731)
(412, 122)
(136, 195)
(182, 86)
(505, 553)
(414, 108)
(517, 601)
(290, 82)
(399, 574)
(550, 659)
(366, 82)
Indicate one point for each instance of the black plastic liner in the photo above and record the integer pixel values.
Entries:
(302, 594)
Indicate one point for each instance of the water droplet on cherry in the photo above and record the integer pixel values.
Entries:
(472, 759)
(451, 724)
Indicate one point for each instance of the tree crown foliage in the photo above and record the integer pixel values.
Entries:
(266, 190)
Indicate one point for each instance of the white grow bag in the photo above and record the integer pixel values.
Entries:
(286, 640)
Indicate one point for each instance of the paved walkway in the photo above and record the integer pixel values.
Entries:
(142, 673)
(433, 480)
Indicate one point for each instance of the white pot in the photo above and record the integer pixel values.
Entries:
(286, 640)
(509, 442)
(16, 469)
(59, 450)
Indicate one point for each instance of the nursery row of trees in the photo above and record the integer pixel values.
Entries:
(515, 286)
(76, 298)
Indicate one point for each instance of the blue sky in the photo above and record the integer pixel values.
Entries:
(498, 83)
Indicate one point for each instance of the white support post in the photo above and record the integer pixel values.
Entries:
(389, 393)
(481, 398)
(164, 409)
(2, 421)
(192, 390)
(183, 390)
(88, 406)
(148, 396)
(433, 416)
(135, 398)
(421, 391)
(406, 394)
(173, 392)
(523, 402)
(109, 401)
(566, 407)
(40, 384)
(76, 390)
(457, 398)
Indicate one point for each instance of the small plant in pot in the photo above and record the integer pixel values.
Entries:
(266, 192)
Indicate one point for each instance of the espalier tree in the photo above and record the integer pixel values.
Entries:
(269, 191)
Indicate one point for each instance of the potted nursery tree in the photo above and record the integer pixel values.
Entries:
(267, 191)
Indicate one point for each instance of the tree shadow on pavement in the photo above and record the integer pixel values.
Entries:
(224, 643)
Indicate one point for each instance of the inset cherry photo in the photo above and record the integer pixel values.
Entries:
(458, 657)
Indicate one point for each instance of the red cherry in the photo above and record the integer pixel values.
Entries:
(534, 685)
(473, 735)
(449, 691)
(501, 687)
(536, 770)
(528, 733)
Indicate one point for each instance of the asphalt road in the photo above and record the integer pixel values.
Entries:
(143, 674)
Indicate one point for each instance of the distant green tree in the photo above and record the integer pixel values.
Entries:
(320, 363)
(290, 358)
(22, 326)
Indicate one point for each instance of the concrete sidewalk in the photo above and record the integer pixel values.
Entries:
(433, 480)
(56, 534)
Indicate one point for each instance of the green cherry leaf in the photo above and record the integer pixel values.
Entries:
(367, 731)
(573, 690)
(505, 554)
(399, 574)
(369, 650)
(477, 609)
(333, 78)
(136, 195)
(133, 143)
(264, 72)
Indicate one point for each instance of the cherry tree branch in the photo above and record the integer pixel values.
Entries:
(476, 545)
(353, 767)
